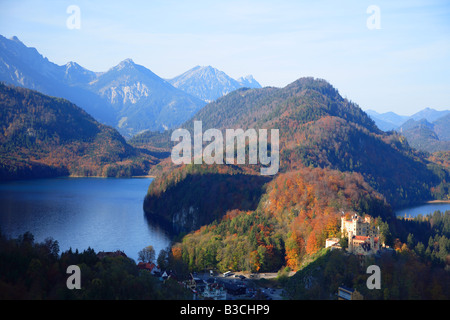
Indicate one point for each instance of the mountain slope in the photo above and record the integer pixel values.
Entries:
(76, 75)
(302, 101)
(388, 120)
(128, 96)
(26, 67)
(208, 83)
(391, 121)
(141, 100)
(298, 211)
(426, 136)
(429, 114)
(333, 159)
(249, 82)
(42, 136)
(320, 128)
(442, 127)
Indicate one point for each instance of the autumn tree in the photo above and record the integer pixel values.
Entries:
(147, 254)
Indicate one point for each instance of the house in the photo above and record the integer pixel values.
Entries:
(332, 243)
(168, 274)
(214, 291)
(363, 245)
(146, 266)
(195, 284)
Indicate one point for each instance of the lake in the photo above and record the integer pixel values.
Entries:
(104, 214)
(428, 208)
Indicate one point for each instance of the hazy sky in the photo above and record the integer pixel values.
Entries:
(397, 60)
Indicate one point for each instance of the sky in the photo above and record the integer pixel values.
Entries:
(382, 55)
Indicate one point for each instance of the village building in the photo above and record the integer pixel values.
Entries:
(214, 291)
(332, 243)
(151, 267)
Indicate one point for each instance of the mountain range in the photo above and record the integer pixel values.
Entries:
(392, 121)
(318, 127)
(129, 96)
(427, 130)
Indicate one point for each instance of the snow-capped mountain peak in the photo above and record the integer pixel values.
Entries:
(209, 84)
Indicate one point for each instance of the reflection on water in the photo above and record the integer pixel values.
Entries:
(104, 214)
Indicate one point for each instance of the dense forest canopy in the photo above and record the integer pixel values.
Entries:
(288, 220)
(319, 128)
(33, 270)
(43, 136)
(333, 160)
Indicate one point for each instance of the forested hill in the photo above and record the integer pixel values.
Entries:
(333, 158)
(304, 100)
(320, 128)
(42, 136)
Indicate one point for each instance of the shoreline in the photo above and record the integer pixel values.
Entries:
(437, 201)
(419, 204)
(415, 210)
(101, 177)
(149, 177)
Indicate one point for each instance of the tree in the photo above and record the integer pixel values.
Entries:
(163, 258)
(410, 241)
(147, 254)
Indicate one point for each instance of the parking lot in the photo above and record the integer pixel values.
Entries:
(244, 286)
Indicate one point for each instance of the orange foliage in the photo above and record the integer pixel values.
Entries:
(176, 252)
(309, 203)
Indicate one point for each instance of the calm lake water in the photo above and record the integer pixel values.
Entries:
(104, 214)
(424, 209)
